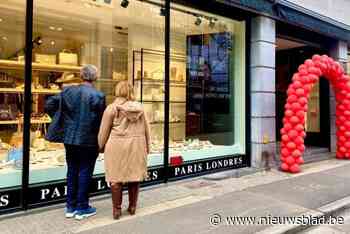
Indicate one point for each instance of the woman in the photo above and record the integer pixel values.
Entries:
(125, 139)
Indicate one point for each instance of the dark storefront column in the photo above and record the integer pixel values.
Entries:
(263, 96)
(339, 51)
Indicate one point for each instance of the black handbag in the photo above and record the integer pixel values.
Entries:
(55, 132)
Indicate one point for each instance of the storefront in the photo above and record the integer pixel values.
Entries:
(190, 76)
(205, 72)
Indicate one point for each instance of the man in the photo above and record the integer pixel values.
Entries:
(80, 111)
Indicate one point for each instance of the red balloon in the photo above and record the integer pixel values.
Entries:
(314, 70)
(292, 98)
(303, 72)
(342, 118)
(302, 100)
(285, 138)
(299, 127)
(347, 134)
(287, 106)
(296, 153)
(339, 155)
(341, 107)
(287, 127)
(313, 78)
(303, 134)
(300, 114)
(316, 58)
(295, 168)
(301, 148)
(342, 128)
(300, 92)
(297, 85)
(283, 131)
(299, 140)
(285, 152)
(342, 149)
(342, 138)
(291, 145)
(290, 160)
(285, 120)
(290, 91)
(300, 160)
(296, 107)
(292, 134)
(288, 113)
(309, 63)
(347, 144)
(294, 120)
(284, 167)
(305, 108)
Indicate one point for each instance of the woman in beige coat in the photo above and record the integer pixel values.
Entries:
(125, 139)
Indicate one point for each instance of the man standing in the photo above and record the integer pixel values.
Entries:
(80, 109)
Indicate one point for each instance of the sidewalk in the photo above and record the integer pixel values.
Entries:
(185, 206)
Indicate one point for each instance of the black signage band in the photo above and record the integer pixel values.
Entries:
(55, 192)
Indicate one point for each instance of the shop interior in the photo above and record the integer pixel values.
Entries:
(291, 53)
(125, 40)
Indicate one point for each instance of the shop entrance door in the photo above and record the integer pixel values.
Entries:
(289, 56)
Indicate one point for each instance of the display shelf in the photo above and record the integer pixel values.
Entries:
(154, 82)
(34, 91)
(9, 122)
(15, 65)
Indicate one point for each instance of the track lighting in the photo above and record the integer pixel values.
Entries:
(198, 21)
(124, 3)
(211, 23)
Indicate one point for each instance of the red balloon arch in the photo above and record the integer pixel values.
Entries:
(293, 132)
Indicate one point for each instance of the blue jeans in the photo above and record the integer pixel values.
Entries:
(80, 163)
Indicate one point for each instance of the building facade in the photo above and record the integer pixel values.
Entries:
(212, 76)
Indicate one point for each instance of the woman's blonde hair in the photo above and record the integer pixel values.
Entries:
(124, 90)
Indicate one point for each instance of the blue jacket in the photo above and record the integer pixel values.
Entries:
(81, 111)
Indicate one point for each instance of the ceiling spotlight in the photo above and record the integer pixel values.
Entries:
(4, 38)
(212, 23)
(52, 27)
(162, 11)
(111, 49)
(124, 3)
(1, 20)
(198, 21)
(59, 29)
(53, 43)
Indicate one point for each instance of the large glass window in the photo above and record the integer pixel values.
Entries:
(12, 41)
(207, 87)
(118, 37)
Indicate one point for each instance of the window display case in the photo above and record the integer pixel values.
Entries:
(48, 79)
(148, 81)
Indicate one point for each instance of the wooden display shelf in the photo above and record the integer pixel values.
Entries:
(34, 91)
(10, 122)
(150, 81)
(15, 65)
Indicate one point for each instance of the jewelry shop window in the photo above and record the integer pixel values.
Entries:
(12, 42)
(112, 35)
(207, 85)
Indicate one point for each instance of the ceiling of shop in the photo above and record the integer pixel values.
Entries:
(284, 44)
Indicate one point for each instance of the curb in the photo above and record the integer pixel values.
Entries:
(331, 209)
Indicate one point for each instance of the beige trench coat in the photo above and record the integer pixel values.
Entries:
(125, 137)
